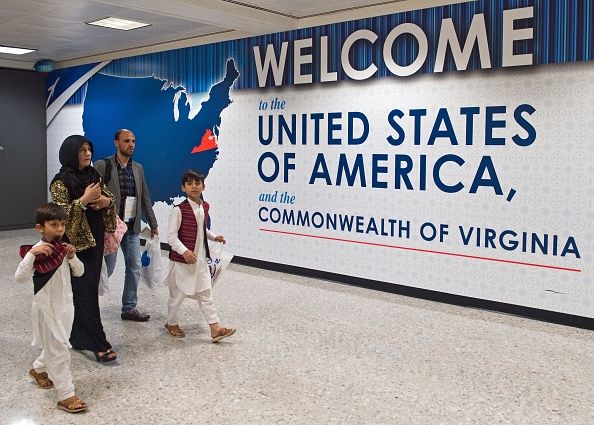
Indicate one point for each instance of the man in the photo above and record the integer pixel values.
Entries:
(125, 179)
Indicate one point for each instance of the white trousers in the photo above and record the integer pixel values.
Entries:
(177, 297)
(55, 361)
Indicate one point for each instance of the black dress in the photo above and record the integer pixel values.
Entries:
(87, 329)
(66, 189)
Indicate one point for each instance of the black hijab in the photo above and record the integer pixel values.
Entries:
(75, 180)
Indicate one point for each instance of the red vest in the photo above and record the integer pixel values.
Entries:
(188, 230)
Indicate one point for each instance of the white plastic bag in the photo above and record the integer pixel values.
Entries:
(150, 263)
(103, 279)
(219, 260)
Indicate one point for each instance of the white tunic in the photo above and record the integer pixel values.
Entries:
(53, 303)
(190, 279)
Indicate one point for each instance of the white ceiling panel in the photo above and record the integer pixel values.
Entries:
(9, 15)
(306, 8)
(76, 12)
(67, 2)
(44, 22)
(24, 6)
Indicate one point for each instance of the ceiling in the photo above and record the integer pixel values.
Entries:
(57, 29)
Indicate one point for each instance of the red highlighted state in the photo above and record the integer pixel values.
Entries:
(208, 142)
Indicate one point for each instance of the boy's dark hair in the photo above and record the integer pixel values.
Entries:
(48, 212)
(191, 175)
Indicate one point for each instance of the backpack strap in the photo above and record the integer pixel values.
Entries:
(107, 176)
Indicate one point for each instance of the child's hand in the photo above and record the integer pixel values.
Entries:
(44, 248)
(70, 250)
(220, 238)
(190, 257)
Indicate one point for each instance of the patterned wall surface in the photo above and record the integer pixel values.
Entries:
(499, 161)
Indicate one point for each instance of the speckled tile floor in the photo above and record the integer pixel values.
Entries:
(307, 352)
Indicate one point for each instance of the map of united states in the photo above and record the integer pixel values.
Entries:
(168, 141)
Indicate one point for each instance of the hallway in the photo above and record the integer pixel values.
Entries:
(306, 352)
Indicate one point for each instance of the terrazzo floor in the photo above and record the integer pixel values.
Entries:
(307, 351)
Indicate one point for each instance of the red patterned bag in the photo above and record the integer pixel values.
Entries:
(46, 263)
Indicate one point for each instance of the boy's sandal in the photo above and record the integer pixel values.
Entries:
(72, 405)
(222, 333)
(108, 356)
(175, 331)
(41, 379)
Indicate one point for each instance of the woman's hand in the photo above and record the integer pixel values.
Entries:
(220, 238)
(100, 203)
(92, 193)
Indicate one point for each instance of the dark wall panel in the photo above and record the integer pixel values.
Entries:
(23, 147)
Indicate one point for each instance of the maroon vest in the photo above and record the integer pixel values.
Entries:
(188, 230)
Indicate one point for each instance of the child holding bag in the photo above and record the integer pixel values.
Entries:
(188, 274)
(50, 263)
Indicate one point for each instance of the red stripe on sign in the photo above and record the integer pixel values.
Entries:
(428, 251)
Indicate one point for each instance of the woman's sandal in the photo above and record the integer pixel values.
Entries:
(72, 405)
(175, 331)
(222, 333)
(108, 356)
(41, 379)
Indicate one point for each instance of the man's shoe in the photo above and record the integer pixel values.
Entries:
(135, 316)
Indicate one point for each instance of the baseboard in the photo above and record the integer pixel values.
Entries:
(17, 226)
(426, 294)
(442, 297)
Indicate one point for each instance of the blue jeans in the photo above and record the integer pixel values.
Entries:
(130, 246)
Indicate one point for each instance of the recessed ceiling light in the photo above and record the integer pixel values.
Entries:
(117, 23)
(15, 50)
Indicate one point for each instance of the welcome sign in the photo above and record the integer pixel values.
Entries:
(354, 148)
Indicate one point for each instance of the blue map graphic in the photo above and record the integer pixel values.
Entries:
(164, 146)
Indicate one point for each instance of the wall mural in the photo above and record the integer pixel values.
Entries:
(448, 149)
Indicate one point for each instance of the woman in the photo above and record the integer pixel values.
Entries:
(79, 189)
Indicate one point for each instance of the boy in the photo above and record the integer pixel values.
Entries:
(50, 262)
(188, 274)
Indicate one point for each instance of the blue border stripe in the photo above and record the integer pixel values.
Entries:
(562, 32)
